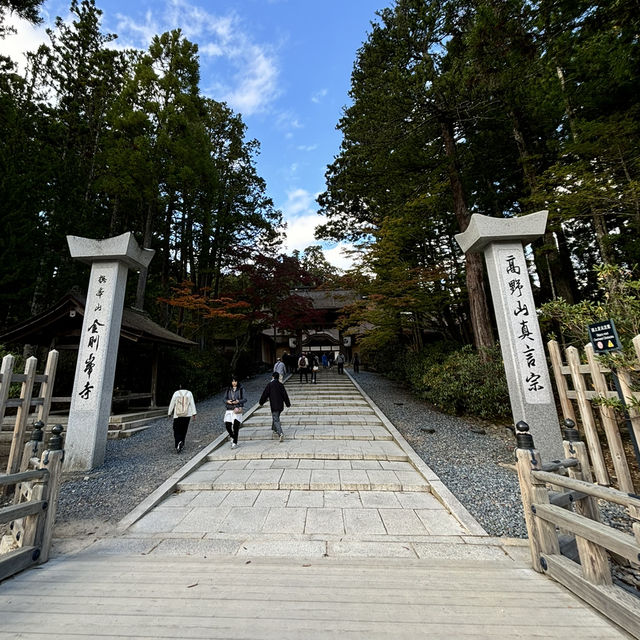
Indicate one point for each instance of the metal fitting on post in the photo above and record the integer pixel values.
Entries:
(524, 439)
(570, 432)
(55, 441)
(37, 435)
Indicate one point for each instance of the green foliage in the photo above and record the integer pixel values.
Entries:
(462, 382)
(617, 297)
(18, 367)
(386, 358)
(202, 372)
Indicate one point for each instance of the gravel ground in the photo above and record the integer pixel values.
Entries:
(467, 462)
(472, 464)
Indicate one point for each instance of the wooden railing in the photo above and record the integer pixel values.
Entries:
(592, 382)
(561, 495)
(27, 400)
(32, 514)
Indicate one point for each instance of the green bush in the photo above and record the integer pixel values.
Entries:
(462, 382)
(202, 372)
(386, 359)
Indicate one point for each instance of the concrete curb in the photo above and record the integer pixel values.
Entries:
(438, 488)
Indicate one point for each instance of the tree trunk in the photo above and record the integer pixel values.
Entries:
(144, 271)
(478, 307)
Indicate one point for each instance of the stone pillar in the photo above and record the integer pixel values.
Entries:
(98, 348)
(501, 240)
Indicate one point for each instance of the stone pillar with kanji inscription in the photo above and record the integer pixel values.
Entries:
(110, 260)
(501, 240)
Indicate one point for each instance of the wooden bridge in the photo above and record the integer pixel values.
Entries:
(339, 531)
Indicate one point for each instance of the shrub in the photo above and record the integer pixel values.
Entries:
(202, 372)
(463, 383)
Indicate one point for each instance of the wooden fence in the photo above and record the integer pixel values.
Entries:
(589, 382)
(33, 512)
(575, 509)
(27, 401)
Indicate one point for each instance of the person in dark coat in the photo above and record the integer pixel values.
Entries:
(356, 363)
(278, 398)
(234, 402)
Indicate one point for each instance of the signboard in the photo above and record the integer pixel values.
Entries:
(604, 337)
(346, 341)
(522, 328)
(293, 343)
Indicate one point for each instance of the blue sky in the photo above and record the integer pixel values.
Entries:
(285, 65)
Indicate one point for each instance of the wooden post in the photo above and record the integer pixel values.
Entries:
(33, 448)
(51, 459)
(5, 383)
(594, 559)
(561, 383)
(588, 422)
(542, 535)
(610, 424)
(46, 388)
(636, 346)
(634, 414)
(15, 454)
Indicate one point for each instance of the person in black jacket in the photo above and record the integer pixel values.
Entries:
(278, 397)
(234, 402)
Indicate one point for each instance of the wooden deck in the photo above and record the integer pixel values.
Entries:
(145, 597)
(340, 531)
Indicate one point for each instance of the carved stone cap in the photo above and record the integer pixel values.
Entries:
(122, 248)
(483, 230)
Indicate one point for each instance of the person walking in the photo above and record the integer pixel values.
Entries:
(280, 368)
(356, 363)
(303, 367)
(315, 367)
(340, 362)
(278, 398)
(234, 402)
(183, 408)
(325, 361)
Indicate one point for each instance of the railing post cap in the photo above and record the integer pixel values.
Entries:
(523, 438)
(37, 434)
(55, 441)
(570, 432)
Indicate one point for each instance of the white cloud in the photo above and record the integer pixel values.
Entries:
(318, 95)
(250, 70)
(300, 213)
(299, 201)
(307, 147)
(338, 256)
(28, 38)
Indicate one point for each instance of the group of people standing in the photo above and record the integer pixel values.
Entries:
(183, 407)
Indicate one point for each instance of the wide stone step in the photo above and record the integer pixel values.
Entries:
(329, 410)
(262, 418)
(216, 476)
(306, 449)
(316, 432)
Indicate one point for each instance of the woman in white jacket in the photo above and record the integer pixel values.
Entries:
(183, 408)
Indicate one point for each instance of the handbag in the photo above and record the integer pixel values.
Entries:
(238, 410)
(315, 368)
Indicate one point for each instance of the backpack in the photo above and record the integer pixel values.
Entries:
(302, 362)
(182, 406)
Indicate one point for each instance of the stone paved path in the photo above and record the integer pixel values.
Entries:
(343, 483)
(340, 531)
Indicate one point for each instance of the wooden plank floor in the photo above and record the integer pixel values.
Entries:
(91, 596)
(314, 537)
